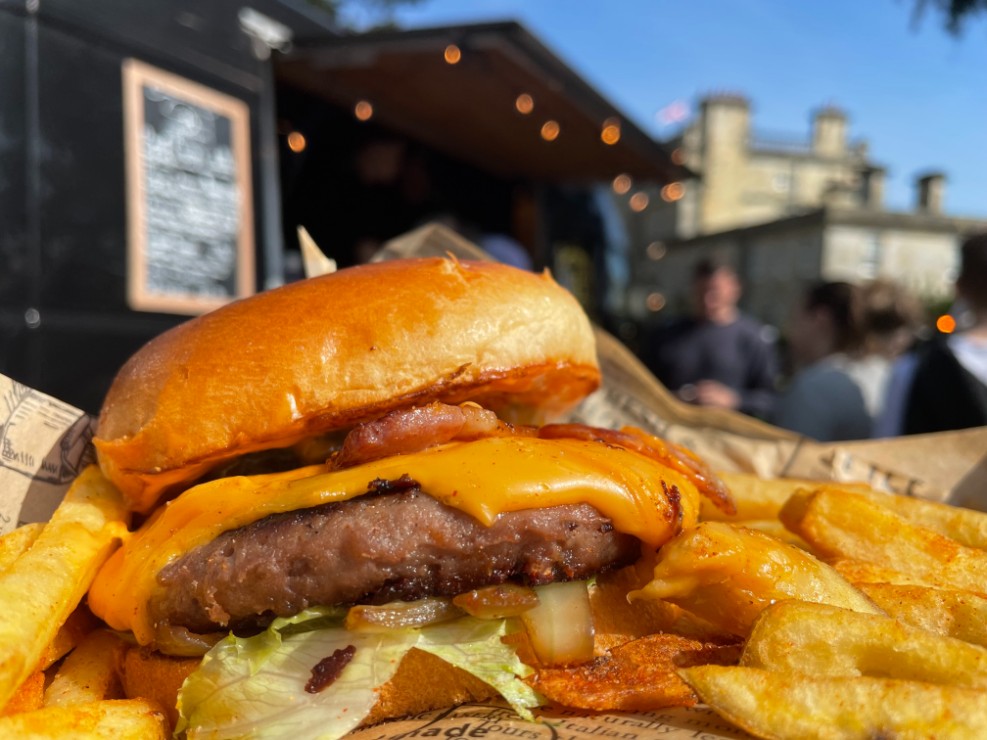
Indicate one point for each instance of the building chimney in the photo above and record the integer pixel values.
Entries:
(931, 190)
(724, 130)
(725, 116)
(829, 132)
(872, 187)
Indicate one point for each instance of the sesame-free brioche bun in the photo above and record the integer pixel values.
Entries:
(326, 353)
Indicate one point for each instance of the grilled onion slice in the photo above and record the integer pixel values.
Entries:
(497, 602)
(401, 615)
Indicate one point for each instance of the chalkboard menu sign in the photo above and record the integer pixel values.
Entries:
(189, 203)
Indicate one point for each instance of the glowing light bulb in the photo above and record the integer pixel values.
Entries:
(363, 110)
(452, 54)
(297, 142)
(655, 302)
(524, 103)
(550, 130)
(655, 251)
(672, 192)
(946, 324)
(610, 134)
(639, 201)
(621, 184)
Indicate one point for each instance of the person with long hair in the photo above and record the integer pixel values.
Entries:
(824, 400)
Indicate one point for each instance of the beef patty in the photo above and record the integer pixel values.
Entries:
(395, 544)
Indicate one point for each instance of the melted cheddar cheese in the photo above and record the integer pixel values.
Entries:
(482, 478)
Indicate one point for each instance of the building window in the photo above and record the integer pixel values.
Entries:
(781, 182)
(870, 260)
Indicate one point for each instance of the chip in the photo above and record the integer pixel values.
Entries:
(843, 524)
(126, 719)
(637, 676)
(959, 614)
(821, 640)
(89, 673)
(761, 498)
(17, 542)
(43, 586)
(727, 574)
(788, 705)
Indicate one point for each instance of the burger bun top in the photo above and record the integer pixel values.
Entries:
(326, 353)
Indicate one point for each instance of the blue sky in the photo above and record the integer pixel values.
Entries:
(916, 93)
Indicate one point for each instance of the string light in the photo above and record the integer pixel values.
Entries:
(610, 134)
(363, 110)
(452, 54)
(639, 201)
(678, 156)
(524, 103)
(550, 130)
(297, 142)
(621, 184)
(672, 192)
(655, 251)
(655, 302)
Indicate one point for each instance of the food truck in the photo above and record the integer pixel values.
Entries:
(158, 160)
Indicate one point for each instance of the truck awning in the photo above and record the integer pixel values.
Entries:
(457, 89)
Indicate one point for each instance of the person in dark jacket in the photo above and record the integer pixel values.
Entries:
(718, 356)
(942, 384)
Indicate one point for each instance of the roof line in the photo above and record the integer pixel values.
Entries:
(547, 62)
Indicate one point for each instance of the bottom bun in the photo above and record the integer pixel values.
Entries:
(148, 675)
(422, 682)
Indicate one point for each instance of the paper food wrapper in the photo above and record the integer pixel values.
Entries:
(949, 467)
(44, 443)
(490, 721)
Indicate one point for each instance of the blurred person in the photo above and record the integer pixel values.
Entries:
(942, 384)
(824, 399)
(892, 318)
(718, 356)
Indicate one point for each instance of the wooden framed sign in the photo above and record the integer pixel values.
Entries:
(190, 225)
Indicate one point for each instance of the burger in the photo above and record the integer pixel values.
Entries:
(358, 502)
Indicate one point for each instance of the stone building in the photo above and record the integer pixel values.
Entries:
(787, 210)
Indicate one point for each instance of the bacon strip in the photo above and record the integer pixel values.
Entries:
(411, 430)
(327, 670)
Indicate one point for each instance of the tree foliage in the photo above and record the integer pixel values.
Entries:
(955, 13)
(366, 13)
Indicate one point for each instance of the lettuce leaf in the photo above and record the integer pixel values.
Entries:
(475, 646)
(255, 686)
